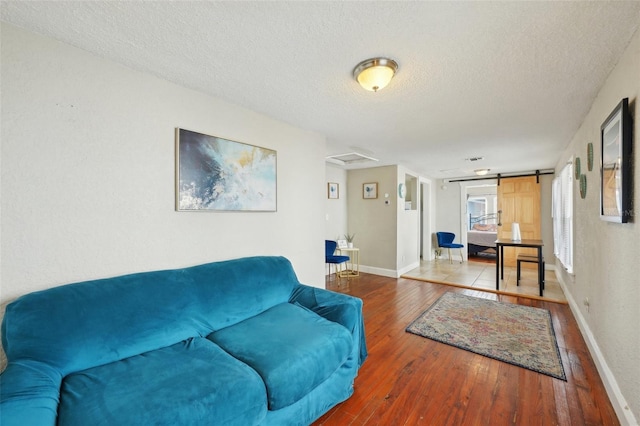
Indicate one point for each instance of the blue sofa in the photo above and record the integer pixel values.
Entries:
(239, 342)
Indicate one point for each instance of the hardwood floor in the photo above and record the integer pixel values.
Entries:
(410, 380)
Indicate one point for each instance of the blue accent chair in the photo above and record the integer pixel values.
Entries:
(445, 240)
(330, 257)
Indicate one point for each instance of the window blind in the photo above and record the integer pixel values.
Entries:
(562, 212)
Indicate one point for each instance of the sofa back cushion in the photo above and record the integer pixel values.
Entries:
(78, 326)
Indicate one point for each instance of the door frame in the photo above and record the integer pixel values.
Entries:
(464, 186)
(427, 219)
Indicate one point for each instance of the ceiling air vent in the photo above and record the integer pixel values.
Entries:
(349, 158)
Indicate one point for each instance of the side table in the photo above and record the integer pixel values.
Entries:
(352, 267)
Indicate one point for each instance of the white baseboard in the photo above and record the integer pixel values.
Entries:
(391, 273)
(618, 400)
(407, 268)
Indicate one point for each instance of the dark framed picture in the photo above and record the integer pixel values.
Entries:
(216, 174)
(333, 191)
(370, 190)
(615, 166)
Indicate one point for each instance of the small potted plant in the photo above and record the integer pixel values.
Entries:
(349, 238)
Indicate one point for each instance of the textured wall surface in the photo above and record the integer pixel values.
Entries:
(606, 254)
(88, 174)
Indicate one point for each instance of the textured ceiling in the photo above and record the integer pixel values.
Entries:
(507, 81)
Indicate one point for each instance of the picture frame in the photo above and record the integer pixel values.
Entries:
(615, 165)
(333, 191)
(342, 244)
(370, 190)
(216, 174)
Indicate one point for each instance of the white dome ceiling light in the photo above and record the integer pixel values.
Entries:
(376, 73)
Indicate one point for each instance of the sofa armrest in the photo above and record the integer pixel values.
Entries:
(341, 308)
(29, 395)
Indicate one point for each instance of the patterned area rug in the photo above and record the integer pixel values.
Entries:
(519, 335)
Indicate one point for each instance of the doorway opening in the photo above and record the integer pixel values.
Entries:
(480, 219)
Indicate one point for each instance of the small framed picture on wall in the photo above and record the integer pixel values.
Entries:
(333, 191)
(370, 190)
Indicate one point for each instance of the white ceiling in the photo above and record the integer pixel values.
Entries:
(507, 81)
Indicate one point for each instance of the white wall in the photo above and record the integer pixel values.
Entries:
(88, 174)
(336, 209)
(448, 213)
(606, 267)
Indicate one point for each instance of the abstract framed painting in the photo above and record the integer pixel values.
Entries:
(216, 174)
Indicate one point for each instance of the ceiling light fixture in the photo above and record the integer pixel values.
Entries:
(481, 172)
(374, 74)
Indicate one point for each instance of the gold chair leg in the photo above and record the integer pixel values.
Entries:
(450, 258)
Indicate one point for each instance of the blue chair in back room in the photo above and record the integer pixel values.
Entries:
(445, 240)
(330, 257)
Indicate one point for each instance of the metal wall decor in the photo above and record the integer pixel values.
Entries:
(583, 186)
(576, 167)
(590, 156)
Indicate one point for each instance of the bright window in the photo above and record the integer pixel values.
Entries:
(476, 207)
(563, 217)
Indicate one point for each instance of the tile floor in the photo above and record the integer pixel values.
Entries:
(482, 276)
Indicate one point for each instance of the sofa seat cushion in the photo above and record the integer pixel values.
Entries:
(292, 348)
(192, 382)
